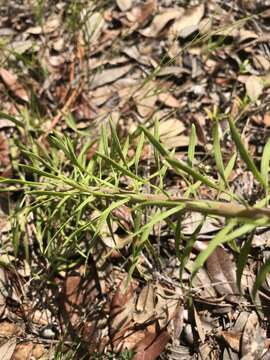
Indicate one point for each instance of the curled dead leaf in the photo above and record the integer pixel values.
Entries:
(188, 23)
(221, 270)
(160, 21)
(145, 304)
(254, 87)
(140, 14)
(124, 5)
(11, 81)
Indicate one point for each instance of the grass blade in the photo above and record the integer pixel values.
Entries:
(242, 260)
(179, 165)
(139, 152)
(116, 144)
(265, 164)
(229, 168)
(261, 276)
(244, 153)
(191, 146)
(217, 150)
(120, 168)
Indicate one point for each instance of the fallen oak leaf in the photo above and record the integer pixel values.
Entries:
(11, 82)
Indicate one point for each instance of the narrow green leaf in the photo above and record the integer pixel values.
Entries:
(120, 168)
(12, 118)
(191, 146)
(218, 239)
(155, 142)
(107, 211)
(177, 236)
(159, 217)
(242, 260)
(139, 152)
(261, 276)
(244, 153)
(188, 248)
(37, 171)
(265, 163)
(104, 146)
(176, 164)
(116, 144)
(59, 143)
(229, 168)
(217, 150)
(224, 236)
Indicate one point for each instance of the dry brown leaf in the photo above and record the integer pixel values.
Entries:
(178, 321)
(8, 329)
(93, 26)
(232, 339)
(122, 307)
(246, 34)
(188, 23)
(221, 271)
(7, 349)
(266, 119)
(38, 351)
(199, 326)
(168, 100)
(254, 87)
(22, 351)
(72, 298)
(124, 216)
(146, 105)
(52, 24)
(141, 14)
(160, 21)
(145, 304)
(170, 128)
(151, 346)
(252, 344)
(124, 5)
(109, 75)
(3, 291)
(78, 292)
(4, 150)
(11, 81)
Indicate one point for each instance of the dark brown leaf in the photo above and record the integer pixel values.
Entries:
(4, 150)
(151, 346)
(13, 85)
(221, 271)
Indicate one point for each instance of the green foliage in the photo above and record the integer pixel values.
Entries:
(66, 189)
